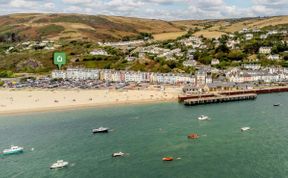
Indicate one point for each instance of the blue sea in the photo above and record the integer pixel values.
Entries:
(147, 133)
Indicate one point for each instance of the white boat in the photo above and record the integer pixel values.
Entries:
(100, 130)
(203, 118)
(13, 150)
(245, 129)
(59, 164)
(118, 154)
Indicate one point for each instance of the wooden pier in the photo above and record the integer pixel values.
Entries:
(219, 99)
(182, 98)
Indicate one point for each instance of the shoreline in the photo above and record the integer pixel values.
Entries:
(81, 107)
(27, 101)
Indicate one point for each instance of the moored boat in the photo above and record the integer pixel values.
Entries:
(193, 136)
(13, 150)
(100, 130)
(277, 104)
(167, 159)
(118, 154)
(245, 129)
(59, 164)
(203, 118)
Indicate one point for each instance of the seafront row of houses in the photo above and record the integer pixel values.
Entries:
(254, 73)
(249, 73)
(130, 76)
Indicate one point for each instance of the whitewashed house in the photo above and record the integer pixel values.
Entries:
(58, 74)
(99, 52)
(252, 66)
(249, 36)
(81, 74)
(215, 62)
(201, 78)
(190, 63)
(130, 58)
(273, 57)
(265, 50)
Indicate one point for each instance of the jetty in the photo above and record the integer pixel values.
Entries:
(219, 99)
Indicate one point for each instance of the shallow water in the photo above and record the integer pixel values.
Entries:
(148, 133)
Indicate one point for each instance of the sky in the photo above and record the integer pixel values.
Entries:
(153, 9)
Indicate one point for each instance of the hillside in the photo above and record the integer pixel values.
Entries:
(75, 26)
(216, 28)
(113, 28)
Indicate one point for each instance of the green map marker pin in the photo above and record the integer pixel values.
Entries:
(59, 59)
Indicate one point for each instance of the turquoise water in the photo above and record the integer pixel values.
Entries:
(148, 133)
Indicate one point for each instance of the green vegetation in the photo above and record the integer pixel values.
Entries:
(141, 36)
(50, 29)
(78, 52)
(6, 74)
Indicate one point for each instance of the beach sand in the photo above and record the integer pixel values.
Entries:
(34, 100)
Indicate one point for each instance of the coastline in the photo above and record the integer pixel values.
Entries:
(20, 102)
(80, 107)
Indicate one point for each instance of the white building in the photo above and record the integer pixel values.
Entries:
(215, 62)
(189, 63)
(82, 74)
(130, 58)
(58, 74)
(274, 57)
(252, 66)
(265, 50)
(99, 52)
(249, 36)
(76, 74)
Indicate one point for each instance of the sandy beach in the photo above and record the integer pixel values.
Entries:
(34, 100)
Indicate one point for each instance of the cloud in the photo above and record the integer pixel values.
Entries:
(163, 9)
(78, 1)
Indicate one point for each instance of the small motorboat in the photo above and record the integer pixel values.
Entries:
(245, 129)
(167, 159)
(203, 118)
(13, 150)
(59, 164)
(118, 154)
(277, 104)
(193, 136)
(100, 130)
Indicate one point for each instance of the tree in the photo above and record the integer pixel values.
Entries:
(236, 55)
(6, 74)
(252, 47)
(222, 48)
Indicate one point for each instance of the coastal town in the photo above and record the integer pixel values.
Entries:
(183, 63)
(143, 88)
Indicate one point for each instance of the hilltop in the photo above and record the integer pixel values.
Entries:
(113, 28)
(216, 28)
(76, 26)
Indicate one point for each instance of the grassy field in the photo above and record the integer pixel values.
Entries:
(168, 36)
(209, 34)
(95, 28)
(257, 23)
